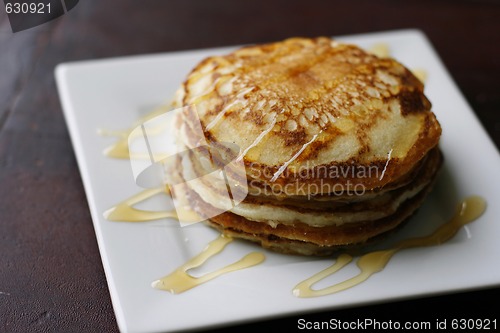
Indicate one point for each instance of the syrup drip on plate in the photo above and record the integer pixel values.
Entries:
(373, 262)
(180, 280)
(120, 149)
(125, 211)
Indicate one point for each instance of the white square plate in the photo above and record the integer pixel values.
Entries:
(113, 93)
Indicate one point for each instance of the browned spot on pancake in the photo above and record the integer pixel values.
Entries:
(412, 101)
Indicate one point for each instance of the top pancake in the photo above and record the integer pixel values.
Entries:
(314, 110)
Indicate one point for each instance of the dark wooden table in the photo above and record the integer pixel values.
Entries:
(51, 276)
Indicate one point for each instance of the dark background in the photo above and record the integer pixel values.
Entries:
(51, 276)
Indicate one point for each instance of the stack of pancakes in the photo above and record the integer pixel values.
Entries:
(339, 145)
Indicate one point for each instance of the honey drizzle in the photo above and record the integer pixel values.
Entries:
(239, 100)
(258, 140)
(469, 210)
(421, 74)
(120, 149)
(294, 157)
(381, 50)
(125, 212)
(180, 281)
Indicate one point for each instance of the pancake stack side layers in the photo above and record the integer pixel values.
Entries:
(340, 146)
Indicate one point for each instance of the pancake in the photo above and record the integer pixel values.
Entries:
(339, 146)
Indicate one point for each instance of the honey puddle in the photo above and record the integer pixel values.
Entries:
(179, 280)
(469, 210)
